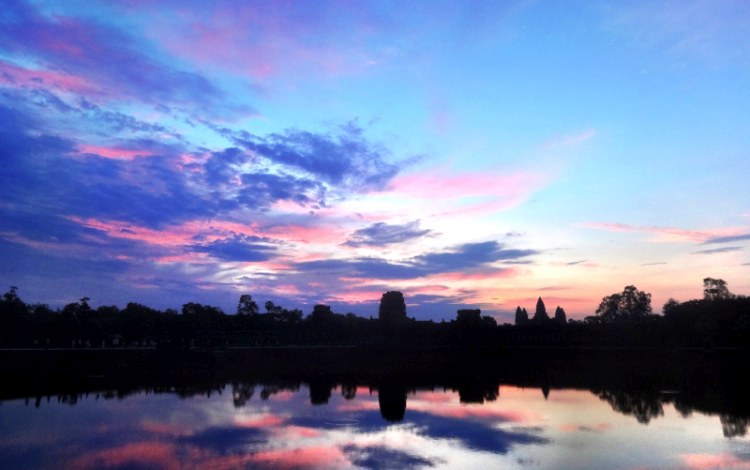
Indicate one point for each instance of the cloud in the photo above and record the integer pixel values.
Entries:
(54, 175)
(98, 59)
(670, 234)
(270, 40)
(135, 201)
(101, 62)
(714, 461)
(728, 239)
(470, 255)
(463, 257)
(374, 456)
(224, 440)
(725, 249)
(238, 248)
(341, 158)
(473, 434)
(705, 31)
(574, 263)
(261, 190)
(136, 454)
(381, 234)
(469, 193)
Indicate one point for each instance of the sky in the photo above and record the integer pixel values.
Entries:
(468, 154)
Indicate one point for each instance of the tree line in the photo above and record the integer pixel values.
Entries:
(719, 319)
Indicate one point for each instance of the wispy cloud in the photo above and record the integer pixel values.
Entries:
(238, 248)
(725, 249)
(672, 234)
(700, 30)
(728, 239)
(463, 257)
(74, 47)
(343, 157)
(469, 193)
(569, 140)
(574, 263)
(270, 40)
(381, 234)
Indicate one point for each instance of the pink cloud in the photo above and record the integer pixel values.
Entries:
(284, 395)
(305, 457)
(210, 230)
(436, 397)
(285, 289)
(44, 79)
(114, 152)
(714, 461)
(490, 274)
(145, 454)
(445, 405)
(176, 236)
(267, 39)
(473, 411)
(427, 289)
(258, 421)
(290, 433)
(303, 234)
(169, 456)
(357, 296)
(474, 193)
(668, 234)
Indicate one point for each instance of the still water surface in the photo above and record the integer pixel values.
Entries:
(303, 426)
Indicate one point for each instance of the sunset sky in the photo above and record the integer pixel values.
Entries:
(469, 154)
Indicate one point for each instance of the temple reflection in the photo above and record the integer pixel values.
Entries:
(639, 389)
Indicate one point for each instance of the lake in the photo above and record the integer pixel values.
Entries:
(472, 420)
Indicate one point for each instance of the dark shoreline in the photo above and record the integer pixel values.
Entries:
(34, 372)
(634, 381)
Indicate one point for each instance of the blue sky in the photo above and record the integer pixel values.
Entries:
(465, 153)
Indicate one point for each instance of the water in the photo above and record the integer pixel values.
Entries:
(321, 424)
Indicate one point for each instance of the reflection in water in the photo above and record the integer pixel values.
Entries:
(734, 426)
(550, 415)
(644, 405)
(327, 423)
(392, 401)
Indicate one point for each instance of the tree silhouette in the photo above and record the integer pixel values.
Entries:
(247, 305)
(733, 426)
(715, 289)
(630, 304)
(643, 405)
(669, 306)
(271, 308)
(321, 313)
